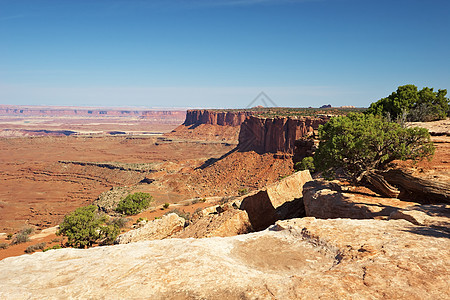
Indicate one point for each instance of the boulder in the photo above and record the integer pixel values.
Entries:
(227, 223)
(324, 199)
(436, 216)
(154, 230)
(277, 201)
(296, 259)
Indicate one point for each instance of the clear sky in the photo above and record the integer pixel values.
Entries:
(205, 53)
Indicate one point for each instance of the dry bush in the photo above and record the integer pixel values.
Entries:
(34, 248)
(22, 236)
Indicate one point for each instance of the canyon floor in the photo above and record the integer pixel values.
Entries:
(46, 175)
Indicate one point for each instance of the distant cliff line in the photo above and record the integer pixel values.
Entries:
(30, 111)
(259, 134)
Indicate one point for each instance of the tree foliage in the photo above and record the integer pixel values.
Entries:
(134, 203)
(85, 226)
(423, 105)
(359, 143)
(307, 163)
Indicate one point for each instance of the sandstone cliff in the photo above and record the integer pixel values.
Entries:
(273, 135)
(197, 117)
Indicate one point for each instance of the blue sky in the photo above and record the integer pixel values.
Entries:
(204, 53)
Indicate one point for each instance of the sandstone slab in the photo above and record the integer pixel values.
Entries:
(227, 223)
(324, 199)
(436, 216)
(296, 259)
(153, 230)
(265, 206)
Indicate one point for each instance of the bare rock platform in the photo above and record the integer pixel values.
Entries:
(295, 259)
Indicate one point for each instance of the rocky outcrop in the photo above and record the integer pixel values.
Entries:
(222, 118)
(154, 230)
(277, 201)
(273, 135)
(325, 199)
(230, 222)
(436, 216)
(297, 259)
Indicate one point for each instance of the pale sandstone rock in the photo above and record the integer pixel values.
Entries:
(264, 207)
(228, 223)
(324, 199)
(297, 259)
(153, 230)
(437, 216)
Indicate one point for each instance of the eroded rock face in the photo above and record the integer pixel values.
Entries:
(276, 201)
(227, 223)
(324, 199)
(297, 259)
(272, 135)
(154, 230)
(200, 116)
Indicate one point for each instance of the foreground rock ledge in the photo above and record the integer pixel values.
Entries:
(298, 258)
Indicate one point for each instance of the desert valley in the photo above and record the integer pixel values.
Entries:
(230, 217)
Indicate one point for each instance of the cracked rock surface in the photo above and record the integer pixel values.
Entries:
(295, 259)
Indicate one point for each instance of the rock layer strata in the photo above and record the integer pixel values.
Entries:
(201, 116)
(272, 135)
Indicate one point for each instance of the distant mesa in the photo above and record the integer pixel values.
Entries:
(56, 111)
(326, 106)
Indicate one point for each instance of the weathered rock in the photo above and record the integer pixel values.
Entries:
(154, 230)
(301, 259)
(272, 135)
(325, 199)
(228, 223)
(276, 201)
(436, 216)
(222, 118)
(107, 201)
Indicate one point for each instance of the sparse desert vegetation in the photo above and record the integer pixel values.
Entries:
(135, 203)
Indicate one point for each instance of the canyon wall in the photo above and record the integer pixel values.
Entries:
(272, 135)
(197, 117)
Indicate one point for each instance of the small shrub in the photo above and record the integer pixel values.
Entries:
(22, 236)
(9, 236)
(85, 226)
(119, 222)
(134, 204)
(57, 240)
(4, 245)
(52, 248)
(242, 192)
(27, 230)
(34, 248)
(307, 163)
(140, 220)
(166, 205)
(180, 213)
